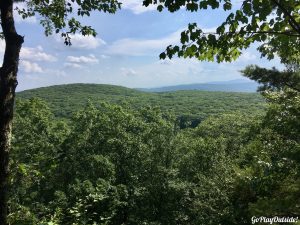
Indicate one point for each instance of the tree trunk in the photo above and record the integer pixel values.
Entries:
(8, 83)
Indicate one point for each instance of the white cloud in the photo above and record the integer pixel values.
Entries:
(33, 77)
(166, 62)
(136, 6)
(57, 73)
(128, 72)
(30, 67)
(72, 65)
(138, 47)
(82, 42)
(246, 57)
(91, 59)
(178, 71)
(209, 30)
(104, 56)
(36, 54)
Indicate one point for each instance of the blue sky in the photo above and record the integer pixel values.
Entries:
(125, 51)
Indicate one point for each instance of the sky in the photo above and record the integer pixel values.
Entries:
(125, 51)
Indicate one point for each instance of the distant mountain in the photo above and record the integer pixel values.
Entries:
(64, 100)
(224, 86)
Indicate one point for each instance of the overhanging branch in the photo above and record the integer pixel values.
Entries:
(293, 23)
(287, 33)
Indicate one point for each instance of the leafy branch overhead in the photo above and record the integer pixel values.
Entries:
(63, 16)
(273, 23)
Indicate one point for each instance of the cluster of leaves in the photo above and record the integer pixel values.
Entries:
(117, 165)
(64, 16)
(274, 23)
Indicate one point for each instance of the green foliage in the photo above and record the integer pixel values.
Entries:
(35, 145)
(59, 16)
(283, 114)
(273, 79)
(121, 165)
(274, 23)
(132, 164)
(190, 107)
(233, 130)
(270, 161)
(113, 165)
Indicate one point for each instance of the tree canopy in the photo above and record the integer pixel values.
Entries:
(115, 165)
(55, 16)
(64, 16)
(273, 23)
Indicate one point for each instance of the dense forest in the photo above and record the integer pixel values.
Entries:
(189, 107)
(113, 164)
(126, 157)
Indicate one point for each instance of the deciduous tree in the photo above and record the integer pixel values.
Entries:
(56, 16)
(273, 23)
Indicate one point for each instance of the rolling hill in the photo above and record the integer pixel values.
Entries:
(64, 100)
(224, 86)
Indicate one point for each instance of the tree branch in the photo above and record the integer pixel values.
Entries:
(288, 33)
(291, 19)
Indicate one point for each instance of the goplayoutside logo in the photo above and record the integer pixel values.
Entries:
(275, 219)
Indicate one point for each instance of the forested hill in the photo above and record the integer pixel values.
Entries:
(226, 86)
(67, 99)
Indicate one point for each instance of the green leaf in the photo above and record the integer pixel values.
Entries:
(160, 8)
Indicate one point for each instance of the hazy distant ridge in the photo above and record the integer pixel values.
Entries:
(226, 86)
